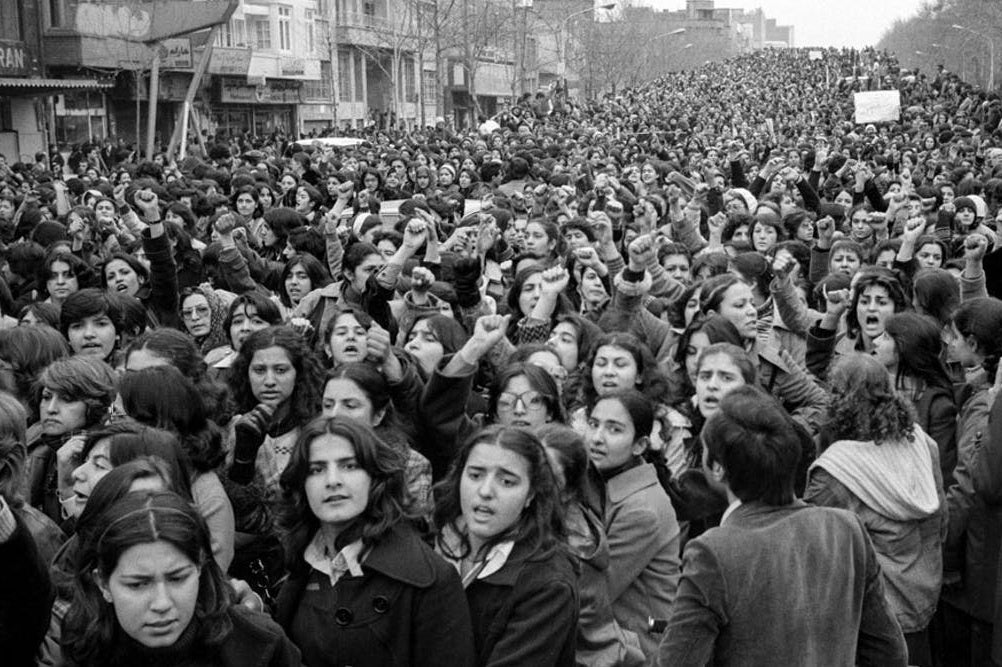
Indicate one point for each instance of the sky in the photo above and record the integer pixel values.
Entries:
(823, 22)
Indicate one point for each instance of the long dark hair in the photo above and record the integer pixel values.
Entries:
(919, 341)
(319, 277)
(541, 525)
(90, 629)
(129, 440)
(305, 400)
(653, 383)
(180, 351)
(162, 397)
(868, 278)
(388, 502)
(981, 318)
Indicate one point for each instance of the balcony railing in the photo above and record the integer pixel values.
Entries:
(363, 20)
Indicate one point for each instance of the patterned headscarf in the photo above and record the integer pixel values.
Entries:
(217, 306)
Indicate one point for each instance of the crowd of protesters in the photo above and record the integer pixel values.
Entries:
(702, 372)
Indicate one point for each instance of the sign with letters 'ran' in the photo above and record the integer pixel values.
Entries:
(15, 58)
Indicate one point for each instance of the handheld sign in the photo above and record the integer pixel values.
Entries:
(877, 106)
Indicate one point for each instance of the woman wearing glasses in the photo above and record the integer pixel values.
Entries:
(203, 313)
(522, 395)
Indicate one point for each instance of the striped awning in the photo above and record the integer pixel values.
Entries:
(38, 86)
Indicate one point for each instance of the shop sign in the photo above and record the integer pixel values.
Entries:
(14, 58)
(293, 67)
(176, 53)
(230, 61)
(270, 93)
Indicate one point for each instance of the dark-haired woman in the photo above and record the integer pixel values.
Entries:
(148, 592)
(965, 617)
(522, 395)
(620, 361)
(62, 274)
(499, 523)
(162, 397)
(876, 295)
(640, 522)
(911, 349)
(276, 381)
(274, 231)
(246, 314)
(156, 287)
(430, 339)
(364, 588)
(105, 451)
(601, 640)
(73, 395)
(301, 275)
(170, 347)
(356, 286)
(370, 394)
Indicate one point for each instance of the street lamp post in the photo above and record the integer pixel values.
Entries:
(991, 51)
(671, 33)
(564, 35)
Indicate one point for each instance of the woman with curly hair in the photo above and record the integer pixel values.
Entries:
(359, 567)
(276, 382)
(876, 295)
(882, 466)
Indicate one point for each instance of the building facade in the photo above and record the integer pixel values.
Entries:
(27, 114)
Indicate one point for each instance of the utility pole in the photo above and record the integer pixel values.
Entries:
(439, 87)
(467, 58)
(333, 75)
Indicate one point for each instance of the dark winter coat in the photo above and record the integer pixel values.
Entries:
(406, 609)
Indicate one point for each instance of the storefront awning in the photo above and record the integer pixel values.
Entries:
(15, 86)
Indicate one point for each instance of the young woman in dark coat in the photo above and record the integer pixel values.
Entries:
(499, 524)
(364, 588)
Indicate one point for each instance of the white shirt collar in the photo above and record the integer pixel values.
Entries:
(348, 560)
(730, 509)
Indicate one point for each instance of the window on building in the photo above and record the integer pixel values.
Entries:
(320, 90)
(428, 88)
(10, 20)
(285, 28)
(410, 85)
(56, 13)
(344, 76)
(311, 45)
(262, 34)
(359, 76)
(239, 33)
(232, 34)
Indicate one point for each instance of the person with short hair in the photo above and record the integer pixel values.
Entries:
(72, 395)
(758, 589)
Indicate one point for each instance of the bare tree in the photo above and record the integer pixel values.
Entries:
(960, 35)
